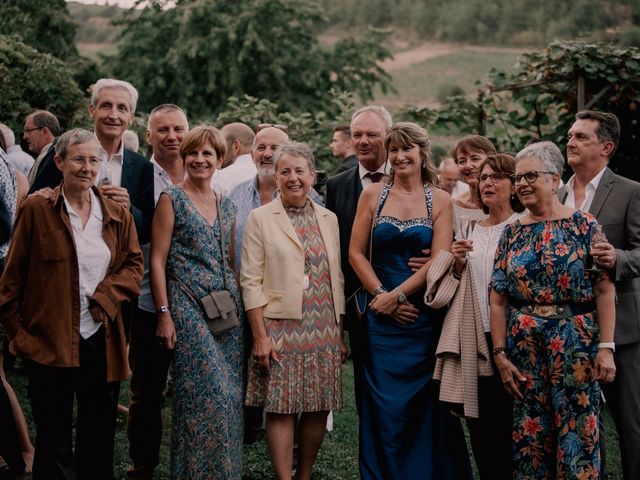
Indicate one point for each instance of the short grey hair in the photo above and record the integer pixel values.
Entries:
(77, 136)
(547, 152)
(295, 149)
(113, 83)
(379, 110)
(165, 107)
(9, 137)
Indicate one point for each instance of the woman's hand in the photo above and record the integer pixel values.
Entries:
(459, 249)
(166, 331)
(264, 350)
(405, 313)
(604, 366)
(510, 376)
(384, 303)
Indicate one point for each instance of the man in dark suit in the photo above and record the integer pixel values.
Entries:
(125, 176)
(615, 202)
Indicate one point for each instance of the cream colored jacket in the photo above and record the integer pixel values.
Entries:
(272, 262)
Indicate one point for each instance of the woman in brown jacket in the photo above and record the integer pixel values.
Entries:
(74, 258)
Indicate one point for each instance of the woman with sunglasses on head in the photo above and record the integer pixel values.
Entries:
(491, 432)
(469, 153)
(552, 323)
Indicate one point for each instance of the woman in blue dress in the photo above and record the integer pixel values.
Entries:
(186, 249)
(405, 433)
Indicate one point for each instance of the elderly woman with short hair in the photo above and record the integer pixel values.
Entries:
(551, 320)
(73, 260)
(292, 288)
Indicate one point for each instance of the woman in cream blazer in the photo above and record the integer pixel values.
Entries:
(292, 288)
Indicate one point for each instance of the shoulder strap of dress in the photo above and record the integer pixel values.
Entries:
(384, 193)
(429, 201)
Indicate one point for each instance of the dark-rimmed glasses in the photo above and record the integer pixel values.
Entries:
(279, 126)
(27, 130)
(531, 176)
(494, 177)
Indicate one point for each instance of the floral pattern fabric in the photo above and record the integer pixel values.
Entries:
(206, 436)
(555, 427)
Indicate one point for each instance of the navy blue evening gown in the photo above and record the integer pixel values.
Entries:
(405, 433)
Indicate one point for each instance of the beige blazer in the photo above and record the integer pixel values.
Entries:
(272, 262)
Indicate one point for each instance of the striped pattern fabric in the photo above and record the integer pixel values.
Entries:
(308, 377)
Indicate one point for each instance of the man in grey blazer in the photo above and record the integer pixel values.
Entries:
(615, 202)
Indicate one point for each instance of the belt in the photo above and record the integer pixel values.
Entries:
(556, 311)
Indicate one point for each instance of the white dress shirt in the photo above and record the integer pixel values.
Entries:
(241, 170)
(366, 181)
(589, 192)
(111, 167)
(93, 257)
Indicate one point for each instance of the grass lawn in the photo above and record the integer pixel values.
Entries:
(422, 81)
(338, 458)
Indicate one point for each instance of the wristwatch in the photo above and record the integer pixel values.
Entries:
(162, 309)
(401, 296)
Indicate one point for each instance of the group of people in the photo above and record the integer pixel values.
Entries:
(216, 259)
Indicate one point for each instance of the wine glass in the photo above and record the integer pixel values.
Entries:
(597, 236)
(464, 227)
(105, 173)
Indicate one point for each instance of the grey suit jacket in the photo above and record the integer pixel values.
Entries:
(616, 206)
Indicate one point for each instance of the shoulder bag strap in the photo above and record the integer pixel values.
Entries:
(222, 242)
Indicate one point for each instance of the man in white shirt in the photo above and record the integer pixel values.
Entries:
(19, 160)
(615, 202)
(237, 166)
(149, 361)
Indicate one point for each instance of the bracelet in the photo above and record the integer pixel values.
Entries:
(379, 290)
(499, 351)
(610, 345)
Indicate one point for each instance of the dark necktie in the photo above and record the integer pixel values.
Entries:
(375, 177)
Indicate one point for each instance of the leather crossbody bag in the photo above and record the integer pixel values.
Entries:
(218, 306)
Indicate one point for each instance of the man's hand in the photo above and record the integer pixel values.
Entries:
(46, 193)
(604, 254)
(166, 331)
(117, 194)
(415, 263)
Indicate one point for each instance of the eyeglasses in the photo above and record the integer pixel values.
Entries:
(494, 177)
(27, 130)
(279, 126)
(530, 177)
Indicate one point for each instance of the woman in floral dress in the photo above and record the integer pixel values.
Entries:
(206, 437)
(552, 323)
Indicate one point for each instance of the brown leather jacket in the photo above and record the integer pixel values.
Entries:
(39, 299)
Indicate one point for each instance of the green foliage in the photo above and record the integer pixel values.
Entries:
(32, 80)
(312, 128)
(44, 24)
(266, 49)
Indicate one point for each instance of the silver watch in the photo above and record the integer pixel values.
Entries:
(162, 309)
(401, 296)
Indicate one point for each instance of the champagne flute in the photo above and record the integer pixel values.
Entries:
(597, 236)
(464, 228)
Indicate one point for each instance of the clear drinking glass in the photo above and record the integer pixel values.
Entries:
(590, 265)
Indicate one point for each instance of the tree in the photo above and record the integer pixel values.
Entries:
(44, 24)
(201, 53)
(32, 80)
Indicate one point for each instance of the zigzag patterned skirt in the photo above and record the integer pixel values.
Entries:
(308, 378)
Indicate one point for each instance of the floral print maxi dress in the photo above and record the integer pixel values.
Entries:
(555, 426)
(206, 437)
